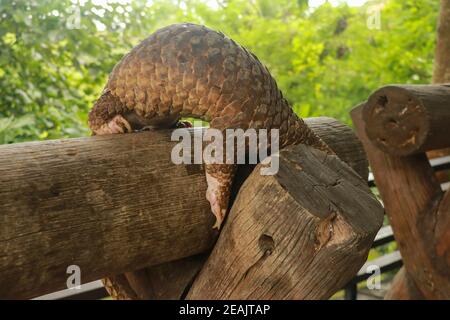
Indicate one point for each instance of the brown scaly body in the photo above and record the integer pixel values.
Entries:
(187, 70)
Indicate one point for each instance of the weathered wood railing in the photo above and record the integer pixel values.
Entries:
(391, 261)
(117, 203)
(386, 263)
(397, 125)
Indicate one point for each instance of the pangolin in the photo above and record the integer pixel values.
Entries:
(189, 70)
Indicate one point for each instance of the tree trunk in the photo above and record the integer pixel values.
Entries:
(145, 283)
(408, 119)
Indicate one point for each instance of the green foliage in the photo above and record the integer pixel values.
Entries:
(11, 127)
(55, 56)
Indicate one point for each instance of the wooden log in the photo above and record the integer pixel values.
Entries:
(167, 281)
(408, 119)
(403, 288)
(152, 282)
(418, 214)
(338, 136)
(300, 234)
(343, 141)
(108, 204)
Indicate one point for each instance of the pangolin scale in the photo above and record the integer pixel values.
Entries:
(188, 70)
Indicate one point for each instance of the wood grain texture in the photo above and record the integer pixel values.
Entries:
(300, 234)
(108, 204)
(175, 279)
(418, 212)
(343, 141)
(408, 119)
(403, 288)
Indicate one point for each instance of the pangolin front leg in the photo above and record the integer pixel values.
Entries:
(219, 178)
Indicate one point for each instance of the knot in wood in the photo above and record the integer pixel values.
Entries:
(266, 244)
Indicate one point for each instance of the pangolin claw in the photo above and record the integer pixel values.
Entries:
(118, 124)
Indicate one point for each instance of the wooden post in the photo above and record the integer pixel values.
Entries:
(419, 215)
(408, 119)
(300, 234)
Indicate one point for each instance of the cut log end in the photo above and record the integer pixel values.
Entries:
(397, 121)
(403, 120)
